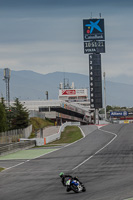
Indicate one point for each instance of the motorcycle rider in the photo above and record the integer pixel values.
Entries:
(65, 178)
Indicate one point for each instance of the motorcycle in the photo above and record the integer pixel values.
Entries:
(75, 185)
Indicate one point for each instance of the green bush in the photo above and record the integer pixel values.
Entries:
(38, 123)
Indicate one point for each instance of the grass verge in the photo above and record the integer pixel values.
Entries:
(69, 135)
(1, 169)
(38, 123)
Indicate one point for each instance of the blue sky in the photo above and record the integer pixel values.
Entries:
(47, 36)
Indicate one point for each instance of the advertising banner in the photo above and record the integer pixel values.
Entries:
(119, 114)
(93, 29)
(73, 92)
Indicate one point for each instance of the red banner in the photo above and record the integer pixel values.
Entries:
(68, 92)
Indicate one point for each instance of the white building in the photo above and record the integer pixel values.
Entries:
(78, 96)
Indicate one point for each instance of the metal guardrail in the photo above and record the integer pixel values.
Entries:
(10, 148)
(53, 137)
(56, 136)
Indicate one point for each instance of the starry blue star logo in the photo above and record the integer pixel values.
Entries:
(93, 25)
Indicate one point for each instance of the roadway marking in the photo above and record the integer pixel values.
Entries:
(27, 160)
(46, 153)
(82, 132)
(115, 136)
(14, 166)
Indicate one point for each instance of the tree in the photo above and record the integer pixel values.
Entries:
(109, 108)
(102, 111)
(19, 115)
(3, 118)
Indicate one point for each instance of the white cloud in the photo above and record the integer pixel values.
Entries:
(53, 41)
(44, 57)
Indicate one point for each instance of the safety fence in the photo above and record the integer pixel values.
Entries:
(14, 135)
(41, 141)
(56, 136)
(6, 149)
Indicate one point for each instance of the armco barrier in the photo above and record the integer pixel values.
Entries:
(53, 137)
(6, 149)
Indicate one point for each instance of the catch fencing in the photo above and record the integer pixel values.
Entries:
(14, 135)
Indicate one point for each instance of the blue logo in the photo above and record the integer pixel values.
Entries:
(119, 113)
(93, 25)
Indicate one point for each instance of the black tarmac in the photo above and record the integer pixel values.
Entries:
(103, 161)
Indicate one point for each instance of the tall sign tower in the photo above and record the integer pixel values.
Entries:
(94, 45)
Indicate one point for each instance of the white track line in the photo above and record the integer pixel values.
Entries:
(13, 166)
(45, 153)
(28, 160)
(98, 150)
(82, 132)
(65, 147)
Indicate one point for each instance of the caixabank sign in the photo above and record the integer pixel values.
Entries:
(93, 29)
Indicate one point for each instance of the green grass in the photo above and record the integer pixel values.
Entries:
(26, 154)
(1, 169)
(38, 123)
(47, 145)
(69, 135)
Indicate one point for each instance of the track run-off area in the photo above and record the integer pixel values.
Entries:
(102, 160)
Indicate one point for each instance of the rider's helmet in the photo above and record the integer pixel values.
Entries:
(61, 174)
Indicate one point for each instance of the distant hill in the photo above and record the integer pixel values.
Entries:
(29, 85)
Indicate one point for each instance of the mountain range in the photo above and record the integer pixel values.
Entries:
(29, 85)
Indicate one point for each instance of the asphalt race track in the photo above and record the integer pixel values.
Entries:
(103, 161)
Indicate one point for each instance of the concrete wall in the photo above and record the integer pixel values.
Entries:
(34, 113)
(53, 137)
(51, 115)
(56, 136)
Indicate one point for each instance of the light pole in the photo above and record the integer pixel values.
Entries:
(7, 74)
(104, 95)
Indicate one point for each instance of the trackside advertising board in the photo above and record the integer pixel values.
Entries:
(119, 114)
(73, 92)
(93, 29)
